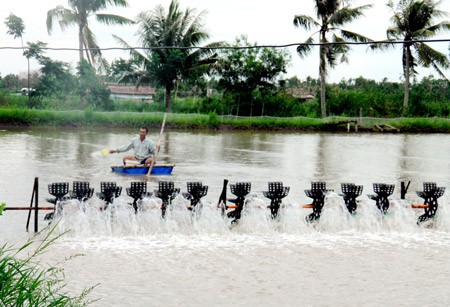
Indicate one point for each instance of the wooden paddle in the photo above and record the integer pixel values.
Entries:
(157, 145)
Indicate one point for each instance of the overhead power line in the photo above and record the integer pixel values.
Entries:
(384, 42)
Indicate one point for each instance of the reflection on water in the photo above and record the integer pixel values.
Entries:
(258, 157)
(141, 259)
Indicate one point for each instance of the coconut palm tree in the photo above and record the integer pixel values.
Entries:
(331, 16)
(78, 15)
(168, 53)
(413, 22)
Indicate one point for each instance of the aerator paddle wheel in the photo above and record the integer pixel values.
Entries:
(317, 193)
(350, 192)
(276, 193)
(58, 190)
(137, 191)
(383, 191)
(81, 191)
(430, 194)
(195, 192)
(240, 189)
(108, 192)
(167, 192)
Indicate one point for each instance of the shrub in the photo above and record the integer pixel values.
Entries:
(23, 282)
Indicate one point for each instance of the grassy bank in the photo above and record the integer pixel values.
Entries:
(88, 118)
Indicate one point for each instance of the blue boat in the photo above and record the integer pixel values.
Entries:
(158, 169)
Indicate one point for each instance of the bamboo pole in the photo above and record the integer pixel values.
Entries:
(157, 146)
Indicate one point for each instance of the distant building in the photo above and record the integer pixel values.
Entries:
(300, 93)
(126, 91)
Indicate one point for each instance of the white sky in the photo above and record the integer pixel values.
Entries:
(263, 21)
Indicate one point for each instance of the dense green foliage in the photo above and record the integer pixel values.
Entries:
(248, 77)
(353, 97)
(93, 94)
(430, 97)
(56, 79)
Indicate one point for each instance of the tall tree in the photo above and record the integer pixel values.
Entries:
(331, 16)
(413, 22)
(78, 15)
(168, 41)
(35, 50)
(16, 28)
(55, 78)
(245, 72)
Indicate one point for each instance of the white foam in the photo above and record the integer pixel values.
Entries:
(120, 228)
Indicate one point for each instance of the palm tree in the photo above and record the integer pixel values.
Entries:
(168, 41)
(413, 22)
(78, 15)
(331, 15)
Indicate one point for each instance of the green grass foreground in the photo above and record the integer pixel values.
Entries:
(24, 281)
(89, 118)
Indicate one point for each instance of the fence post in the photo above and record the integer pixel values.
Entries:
(34, 196)
(36, 204)
(404, 189)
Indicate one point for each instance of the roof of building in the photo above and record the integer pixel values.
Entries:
(301, 93)
(126, 89)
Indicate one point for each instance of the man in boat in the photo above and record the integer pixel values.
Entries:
(144, 148)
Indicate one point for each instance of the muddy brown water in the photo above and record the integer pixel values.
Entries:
(142, 260)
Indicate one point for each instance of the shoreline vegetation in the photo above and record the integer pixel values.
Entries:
(26, 281)
(84, 119)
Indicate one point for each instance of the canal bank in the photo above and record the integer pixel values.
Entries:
(89, 118)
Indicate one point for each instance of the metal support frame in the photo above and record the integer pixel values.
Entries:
(404, 189)
(35, 197)
(34, 206)
(222, 203)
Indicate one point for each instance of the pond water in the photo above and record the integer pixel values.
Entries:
(142, 260)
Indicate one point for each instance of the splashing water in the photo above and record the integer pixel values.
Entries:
(119, 219)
